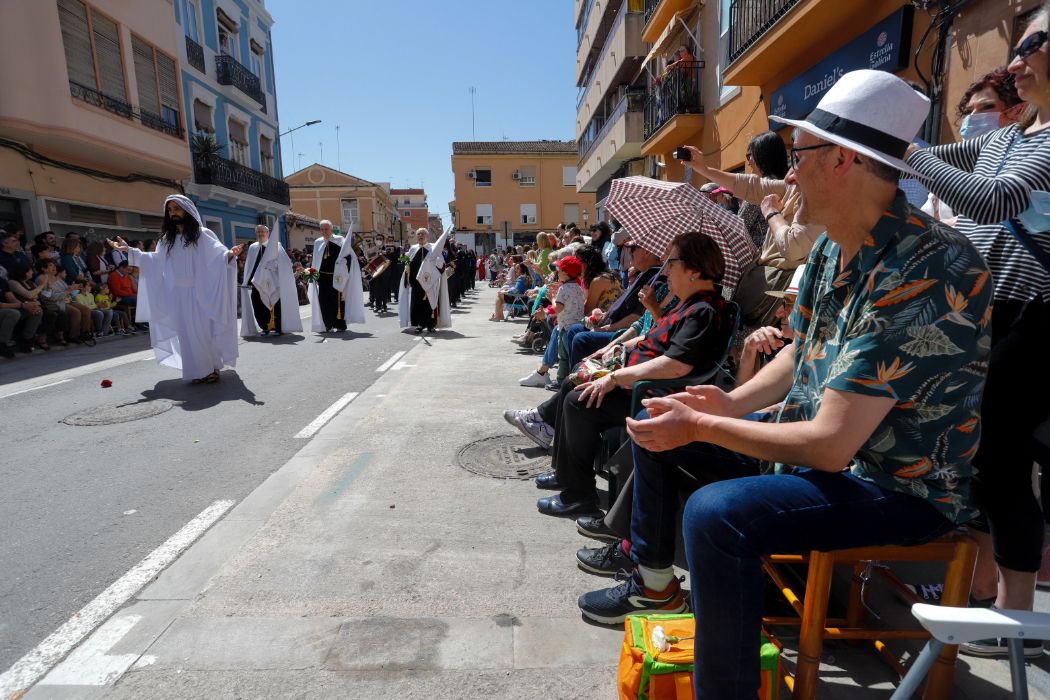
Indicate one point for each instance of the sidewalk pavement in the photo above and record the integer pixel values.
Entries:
(372, 566)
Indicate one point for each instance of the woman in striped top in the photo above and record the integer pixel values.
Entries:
(987, 181)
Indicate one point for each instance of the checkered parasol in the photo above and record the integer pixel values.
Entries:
(654, 212)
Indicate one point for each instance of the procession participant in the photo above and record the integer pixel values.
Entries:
(424, 287)
(346, 279)
(188, 294)
(326, 302)
(393, 272)
(269, 289)
(377, 286)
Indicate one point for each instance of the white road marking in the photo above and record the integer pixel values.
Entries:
(27, 670)
(329, 413)
(89, 664)
(401, 365)
(34, 388)
(389, 363)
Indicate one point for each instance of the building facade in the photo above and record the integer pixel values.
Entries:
(611, 82)
(349, 202)
(508, 191)
(411, 204)
(92, 125)
(756, 58)
(228, 87)
(435, 226)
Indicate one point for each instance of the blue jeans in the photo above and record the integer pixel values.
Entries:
(583, 342)
(550, 355)
(729, 525)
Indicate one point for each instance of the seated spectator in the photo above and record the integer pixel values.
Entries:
(121, 286)
(18, 319)
(764, 343)
(104, 300)
(101, 319)
(73, 262)
(689, 339)
(513, 293)
(77, 318)
(881, 411)
(25, 289)
(11, 254)
(47, 241)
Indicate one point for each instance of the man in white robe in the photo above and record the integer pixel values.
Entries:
(331, 306)
(188, 294)
(423, 299)
(269, 301)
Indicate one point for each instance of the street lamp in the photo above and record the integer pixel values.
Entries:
(309, 123)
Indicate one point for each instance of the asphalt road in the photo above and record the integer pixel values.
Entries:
(80, 505)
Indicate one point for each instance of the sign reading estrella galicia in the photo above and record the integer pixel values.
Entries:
(885, 46)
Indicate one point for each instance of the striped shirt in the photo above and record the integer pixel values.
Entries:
(986, 181)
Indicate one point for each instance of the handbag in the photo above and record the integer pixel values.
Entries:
(593, 368)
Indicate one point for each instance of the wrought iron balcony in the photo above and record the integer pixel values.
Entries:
(158, 123)
(229, 71)
(677, 92)
(650, 10)
(749, 20)
(227, 173)
(195, 54)
(99, 99)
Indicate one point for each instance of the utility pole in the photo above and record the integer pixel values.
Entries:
(473, 133)
(338, 150)
(321, 159)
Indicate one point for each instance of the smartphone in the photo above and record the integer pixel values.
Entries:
(681, 153)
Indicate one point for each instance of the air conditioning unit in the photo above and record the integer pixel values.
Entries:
(472, 174)
(515, 175)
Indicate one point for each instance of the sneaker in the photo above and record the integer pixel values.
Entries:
(123, 331)
(539, 432)
(516, 418)
(928, 592)
(997, 648)
(596, 529)
(609, 606)
(605, 561)
(552, 386)
(535, 379)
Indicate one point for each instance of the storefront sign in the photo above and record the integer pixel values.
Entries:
(883, 47)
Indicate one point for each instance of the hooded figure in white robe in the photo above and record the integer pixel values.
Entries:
(269, 283)
(343, 274)
(188, 294)
(423, 298)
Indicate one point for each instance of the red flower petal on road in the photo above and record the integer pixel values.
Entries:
(106, 384)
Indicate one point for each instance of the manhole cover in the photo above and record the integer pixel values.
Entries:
(121, 413)
(504, 457)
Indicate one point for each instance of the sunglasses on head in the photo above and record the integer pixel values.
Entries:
(1029, 46)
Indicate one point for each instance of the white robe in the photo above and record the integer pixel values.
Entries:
(353, 291)
(290, 320)
(188, 295)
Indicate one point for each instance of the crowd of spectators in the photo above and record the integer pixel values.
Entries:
(58, 293)
(829, 426)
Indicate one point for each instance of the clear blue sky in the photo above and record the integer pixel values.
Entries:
(394, 75)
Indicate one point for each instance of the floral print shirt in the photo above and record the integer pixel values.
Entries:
(908, 317)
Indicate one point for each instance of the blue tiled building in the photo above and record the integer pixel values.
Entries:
(229, 92)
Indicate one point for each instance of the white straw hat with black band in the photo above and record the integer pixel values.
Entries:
(872, 112)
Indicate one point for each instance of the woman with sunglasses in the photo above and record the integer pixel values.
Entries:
(997, 184)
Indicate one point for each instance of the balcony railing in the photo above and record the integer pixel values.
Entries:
(195, 54)
(229, 71)
(650, 10)
(678, 92)
(158, 123)
(99, 99)
(227, 173)
(750, 19)
(631, 102)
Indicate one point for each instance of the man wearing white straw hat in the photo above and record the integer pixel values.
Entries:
(881, 393)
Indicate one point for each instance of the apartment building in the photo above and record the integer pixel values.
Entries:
(92, 122)
(612, 87)
(508, 191)
(351, 203)
(755, 58)
(434, 225)
(228, 85)
(411, 203)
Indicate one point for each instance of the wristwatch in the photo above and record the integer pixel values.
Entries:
(771, 214)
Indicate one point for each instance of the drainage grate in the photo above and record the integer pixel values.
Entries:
(504, 457)
(121, 413)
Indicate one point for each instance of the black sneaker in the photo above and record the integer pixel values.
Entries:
(996, 648)
(604, 561)
(609, 606)
(595, 528)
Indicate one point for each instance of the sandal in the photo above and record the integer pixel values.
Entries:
(210, 379)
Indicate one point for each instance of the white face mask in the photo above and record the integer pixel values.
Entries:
(979, 124)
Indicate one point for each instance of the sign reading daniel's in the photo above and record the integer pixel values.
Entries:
(883, 47)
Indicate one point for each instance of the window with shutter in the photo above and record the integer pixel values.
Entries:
(238, 142)
(266, 155)
(107, 56)
(169, 89)
(202, 117)
(145, 77)
(76, 38)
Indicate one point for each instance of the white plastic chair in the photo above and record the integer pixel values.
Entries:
(959, 625)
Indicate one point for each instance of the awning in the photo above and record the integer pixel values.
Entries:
(663, 43)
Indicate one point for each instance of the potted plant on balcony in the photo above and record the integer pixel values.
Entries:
(206, 151)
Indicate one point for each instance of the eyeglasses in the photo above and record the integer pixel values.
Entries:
(795, 151)
(671, 260)
(1029, 46)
